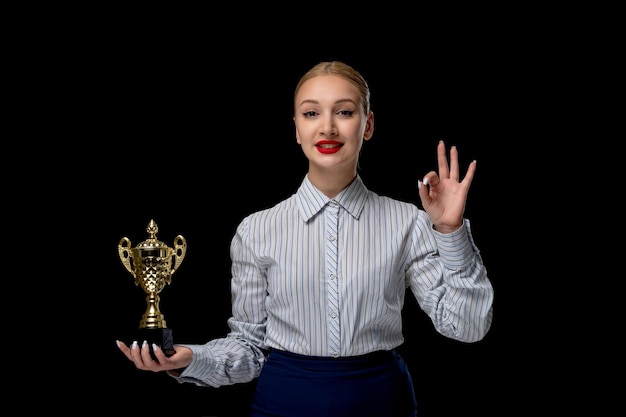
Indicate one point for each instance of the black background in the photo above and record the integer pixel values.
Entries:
(199, 145)
(195, 132)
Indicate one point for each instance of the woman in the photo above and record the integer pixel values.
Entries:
(318, 280)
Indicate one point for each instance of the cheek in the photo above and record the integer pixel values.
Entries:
(304, 134)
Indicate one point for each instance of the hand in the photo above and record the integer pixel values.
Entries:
(444, 196)
(142, 359)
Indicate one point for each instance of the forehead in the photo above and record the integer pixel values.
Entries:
(327, 88)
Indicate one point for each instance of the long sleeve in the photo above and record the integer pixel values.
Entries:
(239, 356)
(449, 280)
(223, 361)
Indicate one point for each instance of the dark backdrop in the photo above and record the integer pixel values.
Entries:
(197, 136)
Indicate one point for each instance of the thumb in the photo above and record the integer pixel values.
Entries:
(422, 190)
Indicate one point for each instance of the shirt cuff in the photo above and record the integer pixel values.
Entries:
(456, 248)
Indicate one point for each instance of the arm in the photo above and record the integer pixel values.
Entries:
(447, 274)
(236, 358)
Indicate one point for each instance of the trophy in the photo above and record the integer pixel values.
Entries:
(152, 263)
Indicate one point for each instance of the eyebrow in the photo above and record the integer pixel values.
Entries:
(343, 100)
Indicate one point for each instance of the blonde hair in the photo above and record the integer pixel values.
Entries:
(343, 70)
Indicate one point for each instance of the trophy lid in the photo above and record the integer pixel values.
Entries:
(152, 242)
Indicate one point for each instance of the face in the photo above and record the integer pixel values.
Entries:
(330, 123)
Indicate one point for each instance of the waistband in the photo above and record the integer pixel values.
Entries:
(368, 359)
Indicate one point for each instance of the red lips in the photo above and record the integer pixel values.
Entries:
(328, 146)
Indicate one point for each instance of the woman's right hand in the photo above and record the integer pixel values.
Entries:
(142, 359)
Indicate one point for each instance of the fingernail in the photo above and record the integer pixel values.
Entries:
(425, 181)
(144, 344)
(134, 345)
(117, 342)
(419, 185)
(154, 346)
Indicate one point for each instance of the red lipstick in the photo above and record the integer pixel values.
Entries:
(328, 146)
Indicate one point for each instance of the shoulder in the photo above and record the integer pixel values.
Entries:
(392, 203)
(284, 206)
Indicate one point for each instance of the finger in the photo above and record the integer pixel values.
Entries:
(145, 354)
(454, 163)
(135, 355)
(442, 160)
(431, 179)
(469, 175)
(134, 351)
(123, 348)
(422, 190)
(160, 355)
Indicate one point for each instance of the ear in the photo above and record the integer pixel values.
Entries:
(297, 133)
(369, 127)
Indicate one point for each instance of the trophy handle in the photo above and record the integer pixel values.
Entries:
(124, 250)
(180, 248)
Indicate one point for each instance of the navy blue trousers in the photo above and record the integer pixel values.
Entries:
(373, 385)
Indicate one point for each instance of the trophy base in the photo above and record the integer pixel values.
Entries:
(161, 337)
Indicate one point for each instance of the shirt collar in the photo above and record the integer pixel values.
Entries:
(311, 200)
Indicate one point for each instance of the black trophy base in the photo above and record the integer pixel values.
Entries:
(160, 337)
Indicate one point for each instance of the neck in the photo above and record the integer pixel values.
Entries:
(330, 183)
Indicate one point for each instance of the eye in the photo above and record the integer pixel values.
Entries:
(309, 114)
(346, 113)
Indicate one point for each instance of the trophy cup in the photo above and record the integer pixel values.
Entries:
(152, 264)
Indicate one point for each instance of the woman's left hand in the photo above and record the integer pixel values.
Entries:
(443, 196)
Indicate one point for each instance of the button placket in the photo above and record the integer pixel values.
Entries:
(332, 222)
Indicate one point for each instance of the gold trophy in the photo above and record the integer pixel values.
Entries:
(152, 264)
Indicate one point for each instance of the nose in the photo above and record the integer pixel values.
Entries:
(328, 127)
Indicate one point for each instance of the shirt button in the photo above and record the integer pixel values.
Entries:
(335, 354)
(332, 276)
(333, 315)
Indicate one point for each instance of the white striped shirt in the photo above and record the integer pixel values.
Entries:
(287, 294)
